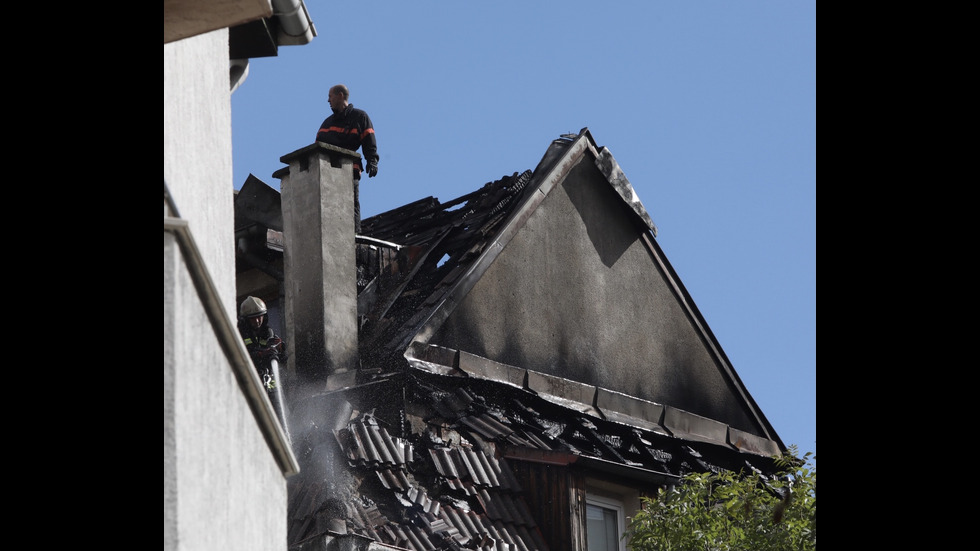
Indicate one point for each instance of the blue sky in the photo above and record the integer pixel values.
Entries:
(708, 106)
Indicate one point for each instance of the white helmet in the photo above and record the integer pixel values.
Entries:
(251, 307)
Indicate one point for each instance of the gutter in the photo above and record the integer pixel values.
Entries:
(295, 26)
(230, 341)
(566, 459)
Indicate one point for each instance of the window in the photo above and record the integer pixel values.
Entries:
(605, 524)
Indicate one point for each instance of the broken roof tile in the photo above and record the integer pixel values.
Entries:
(487, 469)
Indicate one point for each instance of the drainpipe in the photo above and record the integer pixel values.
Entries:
(239, 72)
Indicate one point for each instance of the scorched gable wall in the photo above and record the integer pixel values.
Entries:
(577, 294)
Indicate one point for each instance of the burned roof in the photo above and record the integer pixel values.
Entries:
(436, 242)
(410, 258)
(417, 448)
(430, 457)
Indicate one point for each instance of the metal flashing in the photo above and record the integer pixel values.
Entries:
(607, 164)
(751, 443)
(629, 410)
(572, 394)
(478, 366)
(683, 424)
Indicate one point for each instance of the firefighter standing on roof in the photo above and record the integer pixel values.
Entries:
(350, 128)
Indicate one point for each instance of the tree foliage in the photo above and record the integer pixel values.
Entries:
(729, 511)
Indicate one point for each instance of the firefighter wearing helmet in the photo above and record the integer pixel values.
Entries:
(261, 341)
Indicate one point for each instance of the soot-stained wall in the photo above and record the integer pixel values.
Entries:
(576, 294)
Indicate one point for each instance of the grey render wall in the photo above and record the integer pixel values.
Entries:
(577, 294)
(222, 486)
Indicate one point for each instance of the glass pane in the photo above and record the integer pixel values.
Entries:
(602, 527)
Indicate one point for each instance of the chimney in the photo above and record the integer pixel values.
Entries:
(319, 261)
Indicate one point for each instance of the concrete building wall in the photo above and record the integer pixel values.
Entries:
(222, 486)
(197, 151)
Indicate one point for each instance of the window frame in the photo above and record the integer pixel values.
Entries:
(612, 504)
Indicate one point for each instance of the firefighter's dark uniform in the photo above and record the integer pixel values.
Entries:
(263, 345)
(352, 129)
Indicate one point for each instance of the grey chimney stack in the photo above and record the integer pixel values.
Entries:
(319, 260)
